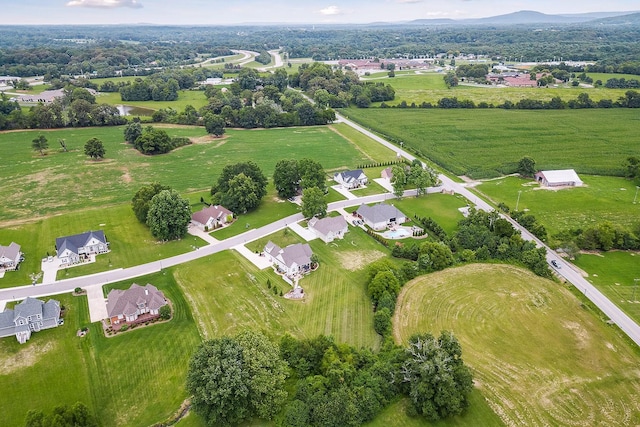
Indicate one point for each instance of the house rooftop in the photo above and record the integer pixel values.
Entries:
(11, 252)
(328, 225)
(78, 240)
(126, 301)
(299, 253)
(562, 175)
(214, 211)
(379, 213)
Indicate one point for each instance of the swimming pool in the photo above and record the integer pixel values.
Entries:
(396, 234)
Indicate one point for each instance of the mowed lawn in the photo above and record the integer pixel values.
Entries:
(130, 242)
(538, 355)
(601, 199)
(62, 182)
(131, 379)
(228, 293)
(490, 142)
(613, 273)
(430, 87)
(443, 208)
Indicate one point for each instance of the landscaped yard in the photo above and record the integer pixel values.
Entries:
(538, 355)
(134, 378)
(443, 208)
(488, 142)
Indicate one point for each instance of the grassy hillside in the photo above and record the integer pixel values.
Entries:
(487, 143)
(537, 354)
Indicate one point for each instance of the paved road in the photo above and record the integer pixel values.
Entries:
(566, 271)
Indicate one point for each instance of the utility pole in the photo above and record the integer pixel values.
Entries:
(636, 196)
(635, 288)
(518, 201)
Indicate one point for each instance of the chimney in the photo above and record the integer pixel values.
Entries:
(146, 291)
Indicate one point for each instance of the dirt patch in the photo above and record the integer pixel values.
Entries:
(356, 260)
(126, 176)
(208, 139)
(24, 358)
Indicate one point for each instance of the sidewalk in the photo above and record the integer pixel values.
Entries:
(305, 233)
(384, 183)
(346, 193)
(195, 231)
(259, 261)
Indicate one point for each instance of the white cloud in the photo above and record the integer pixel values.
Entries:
(105, 4)
(409, 1)
(330, 10)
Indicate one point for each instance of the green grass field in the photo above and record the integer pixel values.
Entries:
(443, 208)
(488, 143)
(131, 242)
(538, 356)
(131, 379)
(195, 98)
(613, 273)
(61, 182)
(430, 87)
(601, 199)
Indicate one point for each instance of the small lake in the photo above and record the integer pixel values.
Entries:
(130, 110)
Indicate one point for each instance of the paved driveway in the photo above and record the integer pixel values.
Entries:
(97, 303)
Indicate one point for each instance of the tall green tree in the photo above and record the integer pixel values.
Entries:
(527, 166)
(312, 174)
(169, 215)
(313, 203)
(94, 148)
(142, 199)
(241, 195)
(286, 178)
(398, 180)
(439, 381)
(40, 144)
(214, 124)
(132, 132)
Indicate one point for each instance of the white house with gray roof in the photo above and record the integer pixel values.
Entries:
(76, 248)
(126, 306)
(351, 179)
(380, 216)
(292, 260)
(330, 228)
(31, 315)
(10, 256)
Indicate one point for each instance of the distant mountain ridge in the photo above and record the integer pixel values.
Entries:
(533, 17)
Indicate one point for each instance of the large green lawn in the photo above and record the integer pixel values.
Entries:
(443, 208)
(132, 379)
(62, 182)
(430, 87)
(490, 142)
(601, 199)
(538, 356)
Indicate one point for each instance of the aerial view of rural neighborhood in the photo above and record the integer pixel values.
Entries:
(385, 213)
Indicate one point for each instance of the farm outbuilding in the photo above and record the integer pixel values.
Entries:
(559, 178)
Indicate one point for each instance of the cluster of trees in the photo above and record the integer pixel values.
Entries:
(337, 88)
(77, 108)
(474, 71)
(622, 83)
(62, 416)
(603, 236)
(235, 379)
(290, 177)
(93, 148)
(150, 140)
(480, 236)
(150, 90)
(631, 99)
(416, 175)
(163, 210)
(240, 187)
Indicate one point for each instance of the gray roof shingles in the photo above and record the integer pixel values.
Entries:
(78, 240)
(126, 301)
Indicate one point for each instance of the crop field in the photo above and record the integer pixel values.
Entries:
(488, 143)
(613, 273)
(538, 355)
(62, 182)
(134, 378)
(602, 198)
(422, 87)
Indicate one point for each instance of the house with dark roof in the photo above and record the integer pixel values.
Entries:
(212, 217)
(10, 256)
(126, 306)
(31, 315)
(77, 248)
(351, 179)
(559, 178)
(328, 229)
(380, 216)
(292, 260)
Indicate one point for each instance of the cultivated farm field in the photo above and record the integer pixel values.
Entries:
(485, 143)
(538, 355)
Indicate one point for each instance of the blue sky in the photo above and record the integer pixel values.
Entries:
(213, 12)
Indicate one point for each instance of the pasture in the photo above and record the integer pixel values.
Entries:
(603, 198)
(134, 378)
(484, 143)
(538, 356)
(422, 87)
(62, 182)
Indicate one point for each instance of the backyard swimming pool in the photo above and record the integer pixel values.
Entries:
(398, 233)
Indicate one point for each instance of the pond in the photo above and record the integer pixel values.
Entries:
(130, 110)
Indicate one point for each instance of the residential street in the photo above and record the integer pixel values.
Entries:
(612, 311)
